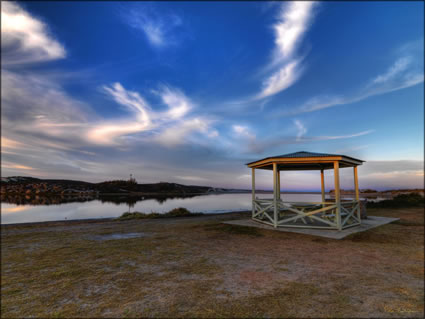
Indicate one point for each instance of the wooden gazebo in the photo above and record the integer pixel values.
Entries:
(327, 214)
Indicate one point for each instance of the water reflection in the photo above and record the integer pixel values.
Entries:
(35, 209)
(36, 200)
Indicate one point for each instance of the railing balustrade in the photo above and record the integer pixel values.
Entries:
(306, 214)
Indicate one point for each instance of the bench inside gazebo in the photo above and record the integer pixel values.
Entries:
(328, 214)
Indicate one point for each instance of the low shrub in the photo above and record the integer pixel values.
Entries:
(402, 200)
(234, 229)
(135, 215)
(176, 212)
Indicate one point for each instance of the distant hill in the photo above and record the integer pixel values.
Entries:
(32, 185)
(372, 192)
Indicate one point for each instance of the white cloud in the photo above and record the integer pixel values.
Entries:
(213, 133)
(260, 146)
(108, 133)
(15, 166)
(178, 103)
(33, 99)
(301, 129)
(243, 131)
(399, 66)
(25, 39)
(171, 127)
(294, 20)
(349, 150)
(281, 80)
(405, 72)
(158, 28)
(45, 129)
(337, 137)
(392, 174)
(178, 133)
(191, 178)
(130, 99)
(37, 112)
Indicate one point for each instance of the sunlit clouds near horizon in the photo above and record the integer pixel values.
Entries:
(191, 92)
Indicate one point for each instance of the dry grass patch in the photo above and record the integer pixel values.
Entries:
(233, 229)
(197, 267)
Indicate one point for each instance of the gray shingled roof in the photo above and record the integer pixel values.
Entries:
(306, 154)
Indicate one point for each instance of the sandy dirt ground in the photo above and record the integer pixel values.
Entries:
(198, 267)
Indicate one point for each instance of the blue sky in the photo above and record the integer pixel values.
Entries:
(189, 92)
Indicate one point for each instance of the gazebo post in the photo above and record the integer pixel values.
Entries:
(278, 184)
(275, 194)
(322, 177)
(337, 196)
(277, 212)
(253, 190)
(356, 187)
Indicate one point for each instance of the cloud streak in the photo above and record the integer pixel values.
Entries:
(179, 133)
(26, 39)
(259, 146)
(293, 22)
(406, 71)
(300, 128)
(163, 134)
(157, 27)
(39, 109)
(178, 103)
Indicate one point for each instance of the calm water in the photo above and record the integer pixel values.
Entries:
(12, 213)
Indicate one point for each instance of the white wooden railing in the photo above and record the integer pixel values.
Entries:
(328, 214)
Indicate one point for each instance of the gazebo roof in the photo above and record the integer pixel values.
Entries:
(305, 161)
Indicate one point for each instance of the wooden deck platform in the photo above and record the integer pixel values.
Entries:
(370, 222)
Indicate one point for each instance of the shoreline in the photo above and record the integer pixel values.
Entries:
(204, 213)
(69, 222)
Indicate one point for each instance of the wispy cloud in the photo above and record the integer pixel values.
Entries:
(15, 166)
(392, 174)
(131, 100)
(405, 72)
(191, 178)
(281, 80)
(158, 27)
(337, 137)
(26, 39)
(178, 103)
(179, 133)
(399, 66)
(46, 129)
(37, 114)
(242, 131)
(301, 129)
(259, 146)
(352, 149)
(49, 132)
(293, 22)
(253, 144)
